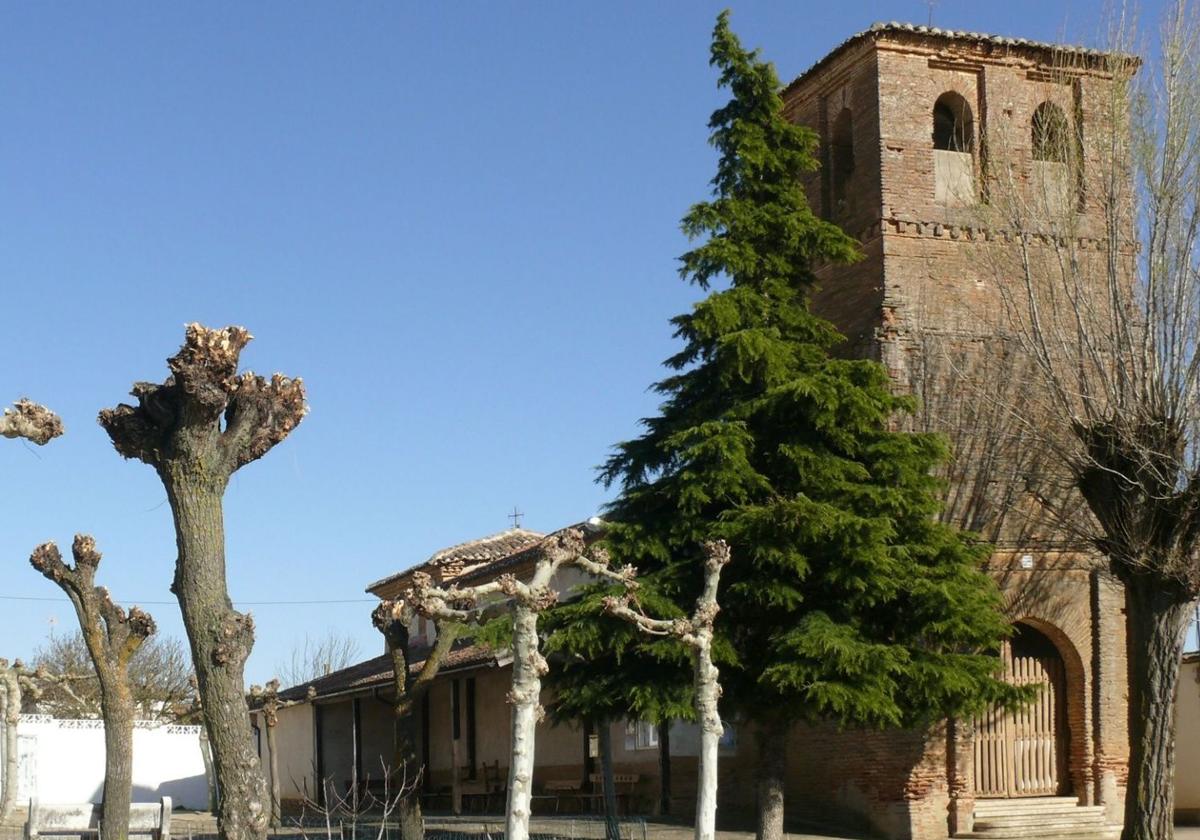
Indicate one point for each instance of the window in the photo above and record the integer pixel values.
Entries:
(1051, 134)
(953, 124)
(641, 735)
(953, 144)
(841, 159)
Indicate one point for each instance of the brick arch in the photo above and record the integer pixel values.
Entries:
(953, 123)
(1079, 763)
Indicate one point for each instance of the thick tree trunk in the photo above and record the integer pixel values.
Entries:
(708, 692)
(772, 768)
(1157, 621)
(408, 809)
(664, 768)
(11, 689)
(116, 705)
(220, 639)
(528, 667)
(196, 429)
(612, 829)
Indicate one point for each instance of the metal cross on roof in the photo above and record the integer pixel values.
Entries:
(515, 516)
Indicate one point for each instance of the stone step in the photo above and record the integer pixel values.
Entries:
(1032, 804)
(1089, 815)
(1079, 832)
(1055, 823)
(1004, 802)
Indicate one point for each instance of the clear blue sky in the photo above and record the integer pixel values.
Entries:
(458, 222)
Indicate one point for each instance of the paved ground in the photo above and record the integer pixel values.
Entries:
(188, 825)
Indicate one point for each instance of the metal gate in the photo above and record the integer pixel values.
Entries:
(1021, 753)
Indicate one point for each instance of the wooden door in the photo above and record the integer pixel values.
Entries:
(1023, 753)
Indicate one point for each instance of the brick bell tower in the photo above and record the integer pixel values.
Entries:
(905, 115)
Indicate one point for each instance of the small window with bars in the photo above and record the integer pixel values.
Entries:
(640, 735)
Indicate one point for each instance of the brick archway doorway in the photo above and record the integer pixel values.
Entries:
(1024, 753)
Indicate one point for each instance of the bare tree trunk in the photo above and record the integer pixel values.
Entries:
(117, 708)
(708, 692)
(276, 791)
(612, 829)
(408, 809)
(392, 618)
(267, 699)
(112, 637)
(1157, 623)
(196, 430)
(772, 769)
(220, 639)
(11, 688)
(528, 667)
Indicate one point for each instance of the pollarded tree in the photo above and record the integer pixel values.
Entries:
(526, 601)
(196, 429)
(266, 699)
(695, 632)
(113, 636)
(1099, 278)
(849, 602)
(392, 618)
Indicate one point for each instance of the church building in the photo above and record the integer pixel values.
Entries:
(906, 116)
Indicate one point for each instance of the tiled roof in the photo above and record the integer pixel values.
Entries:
(378, 671)
(492, 547)
(894, 27)
(465, 555)
(524, 555)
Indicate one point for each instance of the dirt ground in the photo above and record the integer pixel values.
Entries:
(191, 825)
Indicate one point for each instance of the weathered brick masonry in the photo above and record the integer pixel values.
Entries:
(872, 102)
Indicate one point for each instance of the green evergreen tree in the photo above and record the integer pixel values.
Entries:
(846, 600)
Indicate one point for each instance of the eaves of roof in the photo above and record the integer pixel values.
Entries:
(878, 31)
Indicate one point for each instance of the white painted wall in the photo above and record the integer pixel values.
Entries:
(63, 761)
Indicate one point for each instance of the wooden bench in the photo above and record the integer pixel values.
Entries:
(623, 790)
(560, 789)
(488, 795)
(146, 819)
